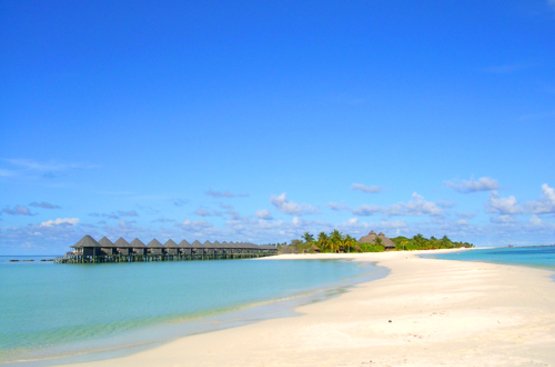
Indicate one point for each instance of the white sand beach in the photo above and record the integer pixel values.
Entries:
(425, 313)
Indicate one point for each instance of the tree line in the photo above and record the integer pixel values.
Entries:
(337, 242)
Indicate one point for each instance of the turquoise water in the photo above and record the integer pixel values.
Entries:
(540, 256)
(48, 309)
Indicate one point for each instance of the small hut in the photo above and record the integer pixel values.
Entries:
(185, 248)
(171, 247)
(154, 247)
(122, 246)
(107, 246)
(378, 239)
(87, 246)
(138, 247)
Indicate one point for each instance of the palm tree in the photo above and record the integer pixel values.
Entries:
(308, 237)
(323, 241)
(349, 243)
(336, 240)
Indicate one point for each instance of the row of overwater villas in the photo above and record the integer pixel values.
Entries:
(89, 250)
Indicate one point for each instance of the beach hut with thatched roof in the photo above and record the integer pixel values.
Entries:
(107, 246)
(122, 246)
(171, 247)
(378, 239)
(87, 246)
(196, 244)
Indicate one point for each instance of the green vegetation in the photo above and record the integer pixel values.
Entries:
(419, 242)
(334, 242)
(337, 242)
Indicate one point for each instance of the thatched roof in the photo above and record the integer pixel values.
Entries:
(184, 243)
(154, 243)
(136, 243)
(122, 243)
(372, 238)
(170, 243)
(105, 242)
(196, 243)
(207, 244)
(86, 241)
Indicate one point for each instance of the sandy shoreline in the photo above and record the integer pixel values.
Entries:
(425, 313)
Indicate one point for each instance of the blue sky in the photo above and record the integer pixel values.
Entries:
(261, 120)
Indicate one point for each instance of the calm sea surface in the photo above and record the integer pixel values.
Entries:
(541, 257)
(53, 310)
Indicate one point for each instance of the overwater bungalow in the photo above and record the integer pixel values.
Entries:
(87, 247)
(154, 248)
(107, 246)
(88, 250)
(171, 248)
(122, 247)
(138, 247)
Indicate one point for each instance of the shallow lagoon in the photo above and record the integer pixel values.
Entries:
(54, 310)
(535, 256)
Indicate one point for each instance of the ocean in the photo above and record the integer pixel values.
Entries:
(61, 312)
(536, 256)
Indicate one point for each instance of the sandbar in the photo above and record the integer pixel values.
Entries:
(426, 312)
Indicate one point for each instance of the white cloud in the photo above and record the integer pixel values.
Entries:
(472, 185)
(417, 205)
(264, 214)
(352, 221)
(366, 210)
(535, 220)
(546, 205)
(549, 191)
(59, 222)
(503, 205)
(370, 189)
(196, 226)
(290, 207)
(503, 219)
